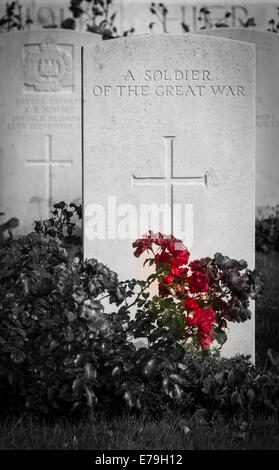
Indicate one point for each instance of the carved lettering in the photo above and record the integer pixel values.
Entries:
(170, 83)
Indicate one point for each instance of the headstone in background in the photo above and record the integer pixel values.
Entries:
(267, 111)
(170, 119)
(136, 13)
(40, 127)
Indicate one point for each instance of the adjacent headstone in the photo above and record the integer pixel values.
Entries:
(267, 111)
(169, 119)
(40, 127)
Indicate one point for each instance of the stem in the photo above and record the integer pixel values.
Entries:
(140, 293)
(221, 19)
(162, 21)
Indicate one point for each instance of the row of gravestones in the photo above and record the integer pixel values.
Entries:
(168, 126)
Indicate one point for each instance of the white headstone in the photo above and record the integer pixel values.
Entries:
(267, 111)
(40, 127)
(169, 119)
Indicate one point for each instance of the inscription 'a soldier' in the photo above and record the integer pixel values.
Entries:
(48, 67)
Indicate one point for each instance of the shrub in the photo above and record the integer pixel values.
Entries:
(55, 336)
(196, 299)
(267, 232)
(62, 352)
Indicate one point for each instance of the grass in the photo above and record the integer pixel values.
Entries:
(133, 433)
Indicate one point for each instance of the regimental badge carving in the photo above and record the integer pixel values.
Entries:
(48, 67)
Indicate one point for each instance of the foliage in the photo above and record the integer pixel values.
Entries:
(205, 19)
(160, 11)
(232, 387)
(7, 227)
(64, 351)
(196, 299)
(273, 25)
(13, 18)
(61, 224)
(97, 16)
(207, 388)
(267, 231)
(54, 333)
(267, 307)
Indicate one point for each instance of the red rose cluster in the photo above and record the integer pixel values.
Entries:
(189, 284)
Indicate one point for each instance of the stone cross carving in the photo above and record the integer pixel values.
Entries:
(168, 181)
(49, 163)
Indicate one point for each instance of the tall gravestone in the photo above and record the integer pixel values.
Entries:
(267, 111)
(40, 126)
(168, 121)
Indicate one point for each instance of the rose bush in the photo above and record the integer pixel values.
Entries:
(196, 299)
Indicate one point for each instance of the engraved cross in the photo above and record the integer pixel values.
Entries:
(49, 163)
(168, 181)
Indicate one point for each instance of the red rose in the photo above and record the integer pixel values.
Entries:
(162, 258)
(191, 304)
(203, 320)
(205, 339)
(162, 240)
(198, 282)
(142, 244)
(190, 321)
(200, 265)
(183, 272)
(167, 279)
(179, 250)
(175, 265)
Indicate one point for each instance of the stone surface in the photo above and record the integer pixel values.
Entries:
(40, 128)
(267, 111)
(170, 118)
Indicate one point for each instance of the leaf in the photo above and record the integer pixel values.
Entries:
(130, 399)
(176, 378)
(53, 345)
(177, 392)
(236, 376)
(116, 371)
(166, 386)
(201, 417)
(17, 357)
(220, 377)
(151, 367)
(90, 372)
(71, 316)
(236, 399)
(91, 397)
(77, 384)
(262, 381)
(273, 357)
(129, 366)
(220, 336)
(251, 395)
(207, 385)
(79, 359)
